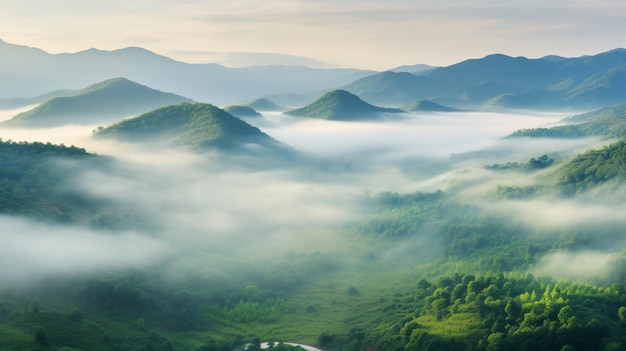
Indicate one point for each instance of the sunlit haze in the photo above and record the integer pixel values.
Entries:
(372, 34)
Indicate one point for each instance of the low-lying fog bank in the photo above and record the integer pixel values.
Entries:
(203, 209)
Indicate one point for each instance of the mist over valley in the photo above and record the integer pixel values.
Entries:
(385, 213)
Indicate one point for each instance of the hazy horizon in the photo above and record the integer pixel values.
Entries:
(368, 35)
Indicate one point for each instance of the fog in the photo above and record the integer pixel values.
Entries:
(203, 210)
(6, 115)
(589, 266)
(30, 250)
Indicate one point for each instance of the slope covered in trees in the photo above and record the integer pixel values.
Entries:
(34, 179)
(104, 102)
(607, 122)
(594, 167)
(195, 126)
(340, 105)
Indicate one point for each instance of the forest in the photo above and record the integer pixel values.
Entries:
(420, 271)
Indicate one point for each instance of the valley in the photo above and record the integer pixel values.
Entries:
(373, 213)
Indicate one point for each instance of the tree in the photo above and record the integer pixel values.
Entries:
(565, 314)
(621, 312)
(41, 337)
(76, 316)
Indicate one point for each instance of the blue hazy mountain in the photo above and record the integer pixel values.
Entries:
(100, 103)
(418, 68)
(340, 105)
(263, 104)
(428, 106)
(11, 103)
(501, 81)
(27, 72)
(242, 111)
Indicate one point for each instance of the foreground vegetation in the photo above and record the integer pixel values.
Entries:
(425, 271)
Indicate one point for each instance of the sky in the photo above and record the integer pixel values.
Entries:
(367, 34)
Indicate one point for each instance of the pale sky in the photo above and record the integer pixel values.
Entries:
(374, 34)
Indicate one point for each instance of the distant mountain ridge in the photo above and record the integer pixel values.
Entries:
(11, 103)
(340, 105)
(27, 72)
(500, 81)
(100, 103)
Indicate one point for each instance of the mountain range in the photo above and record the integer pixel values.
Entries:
(500, 81)
(27, 72)
(100, 103)
(495, 81)
(340, 105)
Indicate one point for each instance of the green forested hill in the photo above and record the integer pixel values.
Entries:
(194, 126)
(607, 122)
(340, 105)
(104, 102)
(593, 168)
(33, 180)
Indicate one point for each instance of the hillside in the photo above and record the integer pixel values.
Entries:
(264, 105)
(609, 122)
(428, 106)
(340, 105)
(101, 103)
(35, 183)
(393, 88)
(593, 168)
(242, 111)
(194, 126)
(6, 104)
(500, 81)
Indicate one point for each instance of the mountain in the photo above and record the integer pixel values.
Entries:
(11, 103)
(603, 88)
(264, 105)
(528, 99)
(607, 122)
(593, 168)
(340, 105)
(500, 81)
(428, 106)
(241, 111)
(31, 166)
(29, 72)
(391, 88)
(418, 68)
(195, 126)
(100, 103)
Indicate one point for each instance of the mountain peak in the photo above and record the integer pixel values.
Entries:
(428, 106)
(263, 104)
(340, 105)
(197, 126)
(103, 102)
